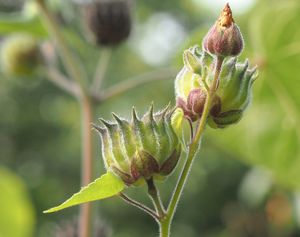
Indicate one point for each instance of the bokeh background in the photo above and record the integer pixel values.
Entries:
(244, 182)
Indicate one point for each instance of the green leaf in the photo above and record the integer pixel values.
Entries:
(17, 216)
(106, 186)
(13, 24)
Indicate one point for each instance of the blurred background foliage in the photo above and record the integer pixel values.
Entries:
(246, 179)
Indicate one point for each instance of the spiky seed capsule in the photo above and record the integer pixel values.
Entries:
(235, 92)
(232, 96)
(224, 37)
(109, 21)
(142, 148)
(20, 55)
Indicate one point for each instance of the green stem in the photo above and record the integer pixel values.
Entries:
(139, 205)
(166, 223)
(154, 194)
(164, 228)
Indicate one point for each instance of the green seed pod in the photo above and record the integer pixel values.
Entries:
(233, 94)
(20, 55)
(142, 148)
(224, 37)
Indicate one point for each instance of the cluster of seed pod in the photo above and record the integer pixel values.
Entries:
(142, 148)
(223, 43)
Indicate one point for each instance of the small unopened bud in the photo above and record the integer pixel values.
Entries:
(194, 105)
(109, 21)
(140, 149)
(224, 37)
(20, 55)
(196, 101)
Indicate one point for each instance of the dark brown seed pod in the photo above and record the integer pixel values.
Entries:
(109, 21)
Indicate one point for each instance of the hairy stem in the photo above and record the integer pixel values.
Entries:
(193, 148)
(154, 194)
(139, 205)
(164, 228)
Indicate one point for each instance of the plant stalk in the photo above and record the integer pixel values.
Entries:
(101, 69)
(134, 82)
(154, 194)
(164, 228)
(165, 224)
(139, 205)
(85, 217)
(75, 72)
(71, 63)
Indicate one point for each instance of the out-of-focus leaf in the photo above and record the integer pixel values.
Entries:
(106, 186)
(16, 215)
(12, 24)
(269, 133)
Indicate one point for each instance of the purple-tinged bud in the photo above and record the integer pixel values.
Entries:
(196, 101)
(224, 37)
(193, 107)
(180, 103)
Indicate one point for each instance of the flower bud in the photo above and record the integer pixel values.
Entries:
(20, 55)
(233, 94)
(189, 84)
(194, 105)
(109, 21)
(224, 37)
(140, 149)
